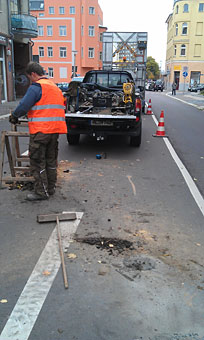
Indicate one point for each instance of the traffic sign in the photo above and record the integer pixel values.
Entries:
(185, 74)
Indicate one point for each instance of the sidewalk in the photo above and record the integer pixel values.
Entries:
(190, 98)
(5, 108)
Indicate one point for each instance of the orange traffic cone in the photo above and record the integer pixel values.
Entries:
(161, 128)
(149, 109)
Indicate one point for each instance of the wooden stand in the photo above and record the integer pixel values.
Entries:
(15, 158)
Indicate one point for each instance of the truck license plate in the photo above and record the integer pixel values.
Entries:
(101, 123)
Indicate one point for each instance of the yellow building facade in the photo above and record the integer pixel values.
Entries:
(185, 44)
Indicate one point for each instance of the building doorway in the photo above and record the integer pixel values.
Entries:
(177, 79)
(3, 92)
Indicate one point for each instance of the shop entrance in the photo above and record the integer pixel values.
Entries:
(195, 78)
(177, 79)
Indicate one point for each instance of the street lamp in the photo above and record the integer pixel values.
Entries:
(74, 61)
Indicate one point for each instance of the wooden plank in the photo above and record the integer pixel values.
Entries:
(2, 154)
(18, 134)
(17, 179)
(10, 157)
(52, 217)
(21, 168)
(13, 143)
(23, 159)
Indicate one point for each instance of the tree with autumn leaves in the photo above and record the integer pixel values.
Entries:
(153, 71)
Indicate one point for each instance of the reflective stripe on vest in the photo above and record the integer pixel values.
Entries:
(50, 106)
(46, 119)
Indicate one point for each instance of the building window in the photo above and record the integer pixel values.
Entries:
(177, 9)
(91, 52)
(82, 9)
(185, 8)
(51, 10)
(49, 31)
(50, 52)
(175, 50)
(100, 55)
(82, 52)
(41, 14)
(184, 28)
(63, 52)
(40, 31)
(63, 72)
(201, 7)
(61, 10)
(176, 31)
(92, 10)
(199, 28)
(197, 50)
(82, 30)
(101, 36)
(41, 51)
(62, 31)
(51, 72)
(183, 50)
(71, 10)
(91, 31)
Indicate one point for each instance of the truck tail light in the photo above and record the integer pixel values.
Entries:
(65, 103)
(138, 105)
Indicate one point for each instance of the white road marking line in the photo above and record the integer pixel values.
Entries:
(188, 179)
(32, 298)
(133, 186)
(4, 116)
(26, 153)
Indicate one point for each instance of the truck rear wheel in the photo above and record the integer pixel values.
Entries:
(73, 139)
(136, 140)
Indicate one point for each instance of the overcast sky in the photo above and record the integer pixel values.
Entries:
(140, 16)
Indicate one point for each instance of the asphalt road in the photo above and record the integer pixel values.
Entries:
(138, 268)
(184, 124)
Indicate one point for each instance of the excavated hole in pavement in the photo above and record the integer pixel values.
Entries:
(139, 263)
(110, 244)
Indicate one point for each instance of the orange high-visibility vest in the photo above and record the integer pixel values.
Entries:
(48, 114)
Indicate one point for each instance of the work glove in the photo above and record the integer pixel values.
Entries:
(13, 120)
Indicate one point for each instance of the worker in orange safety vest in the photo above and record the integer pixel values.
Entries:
(44, 105)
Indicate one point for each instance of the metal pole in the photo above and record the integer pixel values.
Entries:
(74, 64)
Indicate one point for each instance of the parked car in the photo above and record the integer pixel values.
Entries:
(149, 86)
(77, 78)
(196, 88)
(63, 86)
(159, 85)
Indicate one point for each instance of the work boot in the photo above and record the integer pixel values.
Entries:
(36, 197)
(51, 191)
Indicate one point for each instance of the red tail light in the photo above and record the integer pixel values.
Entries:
(138, 105)
(65, 102)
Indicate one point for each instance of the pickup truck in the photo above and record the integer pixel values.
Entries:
(104, 103)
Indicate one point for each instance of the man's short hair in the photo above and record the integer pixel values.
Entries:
(34, 67)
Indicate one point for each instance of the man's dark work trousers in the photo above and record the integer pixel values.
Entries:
(43, 152)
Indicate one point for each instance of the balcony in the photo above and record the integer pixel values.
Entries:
(24, 25)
